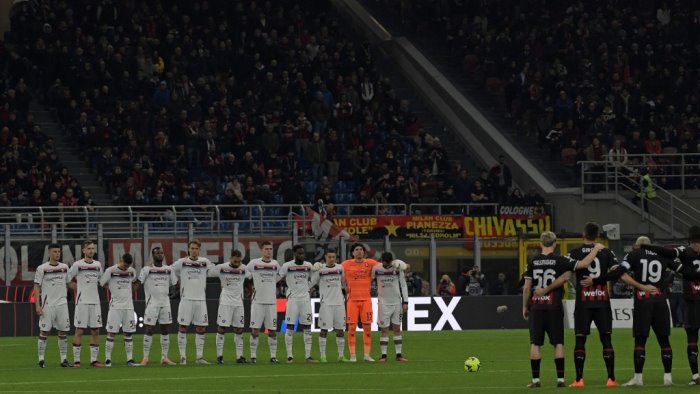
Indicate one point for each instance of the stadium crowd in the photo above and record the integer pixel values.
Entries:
(593, 80)
(202, 102)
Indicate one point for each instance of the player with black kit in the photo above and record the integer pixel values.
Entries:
(689, 256)
(546, 273)
(650, 304)
(593, 304)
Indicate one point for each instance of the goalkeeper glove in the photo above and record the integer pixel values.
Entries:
(399, 264)
(316, 267)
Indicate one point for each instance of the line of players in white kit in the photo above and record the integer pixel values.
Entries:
(53, 278)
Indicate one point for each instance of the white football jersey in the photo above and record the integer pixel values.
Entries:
(298, 278)
(87, 276)
(193, 277)
(264, 280)
(330, 283)
(156, 283)
(391, 285)
(232, 280)
(53, 280)
(119, 283)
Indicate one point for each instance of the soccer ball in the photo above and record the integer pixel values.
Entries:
(472, 364)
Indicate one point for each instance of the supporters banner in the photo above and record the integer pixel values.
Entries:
(511, 221)
(402, 226)
(23, 258)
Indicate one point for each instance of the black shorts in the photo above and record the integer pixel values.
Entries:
(550, 321)
(583, 317)
(692, 314)
(651, 314)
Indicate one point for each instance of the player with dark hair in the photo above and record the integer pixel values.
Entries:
(192, 272)
(543, 307)
(51, 303)
(392, 297)
(297, 275)
(120, 280)
(231, 312)
(330, 279)
(358, 274)
(690, 257)
(157, 279)
(593, 304)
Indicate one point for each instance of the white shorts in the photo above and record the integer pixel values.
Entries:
(331, 317)
(300, 310)
(87, 315)
(263, 314)
(121, 318)
(192, 312)
(230, 315)
(55, 317)
(157, 314)
(389, 314)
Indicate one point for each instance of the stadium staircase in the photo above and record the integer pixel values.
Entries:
(68, 156)
(490, 106)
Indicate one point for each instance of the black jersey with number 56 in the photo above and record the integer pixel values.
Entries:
(543, 270)
(596, 295)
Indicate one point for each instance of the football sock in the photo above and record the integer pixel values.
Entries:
(639, 354)
(352, 338)
(367, 338)
(559, 364)
(692, 350)
(109, 346)
(199, 344)
(666, 354)
(340, 341)
(397, 344)
(94, 351)
(580, 355)
(182, 344)
(289, 342)
(535, 367)
(76, 353)
(164, 345)
(219, 344)
(63, 346)
(253, 346)
(308, 342)
(608, 354)
(238, 340)
(129, 347)
(322, 345)
(272, 342)
(41, 345)
(147, 341)
(383, 344)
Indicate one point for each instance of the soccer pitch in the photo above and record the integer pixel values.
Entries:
(435, 365)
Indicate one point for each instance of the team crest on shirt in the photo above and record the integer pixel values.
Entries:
(366, 265)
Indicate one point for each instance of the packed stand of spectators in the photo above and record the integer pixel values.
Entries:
(31, 173)
(588, 80)
(233, 102)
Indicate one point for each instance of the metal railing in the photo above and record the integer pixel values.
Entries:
(624, 182)
(677, 168)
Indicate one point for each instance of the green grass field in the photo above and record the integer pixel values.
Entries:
(435, 365)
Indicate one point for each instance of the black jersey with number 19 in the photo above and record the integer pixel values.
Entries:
(596, 295)
(648, 268)
(543, 270)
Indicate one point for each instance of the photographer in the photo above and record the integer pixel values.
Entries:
(474, 282)
(446, 288)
